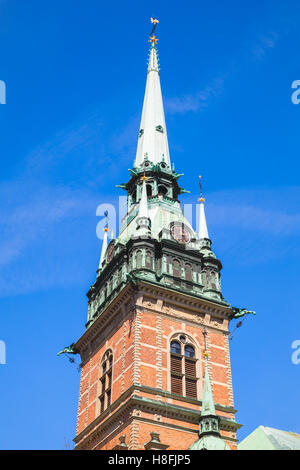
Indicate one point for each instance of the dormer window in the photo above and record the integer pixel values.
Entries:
(141, 132)
(159, 129)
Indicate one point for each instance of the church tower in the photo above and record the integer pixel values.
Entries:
(157, 319)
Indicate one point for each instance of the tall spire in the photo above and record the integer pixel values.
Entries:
(203, 232)
(153, 140)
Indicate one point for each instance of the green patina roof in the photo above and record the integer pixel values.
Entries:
(265, 438)
(208, 406)
(210, 443)
(161, 213)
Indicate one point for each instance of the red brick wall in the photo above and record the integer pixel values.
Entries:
(140, 348)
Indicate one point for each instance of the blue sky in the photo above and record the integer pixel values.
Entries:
(75, 74)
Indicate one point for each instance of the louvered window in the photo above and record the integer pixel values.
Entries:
(190, 367)
(176, 364)
(176, 384)
(191, 388)
(183, 368)
(106, 380)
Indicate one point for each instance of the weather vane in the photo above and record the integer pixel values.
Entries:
(153, 39)
(106, 220)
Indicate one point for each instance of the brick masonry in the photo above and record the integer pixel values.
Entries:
(139, 335)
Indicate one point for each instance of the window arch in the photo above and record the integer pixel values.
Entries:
(149, 260)
(106, 380)
(213, 280)
(183, 367)
(175, 347)
(176, 268)
(162, 190)
(139, 259)
(149, 190)
(189, 351)
(188, 272)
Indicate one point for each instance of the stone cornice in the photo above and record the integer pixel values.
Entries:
(193, 304)
(183, 299)
(127, 402)
(102, 320)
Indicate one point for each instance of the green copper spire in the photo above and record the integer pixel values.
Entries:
(209, 426)
(208, 406)
(152, 137)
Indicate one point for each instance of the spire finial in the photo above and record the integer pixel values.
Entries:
(201, 198)
(152, 37)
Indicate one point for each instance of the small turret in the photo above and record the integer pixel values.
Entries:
(104, 243)
(202, 232)
(142, 220)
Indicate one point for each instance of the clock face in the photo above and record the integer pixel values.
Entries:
(110, 252)
(180, 232)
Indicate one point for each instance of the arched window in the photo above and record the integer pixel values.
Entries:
(175, 347)
(149, 190)
(189, 351)
(139, 259)
(133, 195)
(176, 268)
(148, 260)
(213, 280)
(183, 367)
(106, 380)
(188, 272)
(162, 190)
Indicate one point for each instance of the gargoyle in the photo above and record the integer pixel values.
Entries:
(241, 312)
(68, 350)
(132, 279)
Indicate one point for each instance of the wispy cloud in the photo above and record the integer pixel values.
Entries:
(252, 227)
(195, 102)
(264, 44)
(199, 100)
(24, 222)
(59, 185)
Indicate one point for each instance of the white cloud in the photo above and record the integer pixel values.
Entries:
(196, 101)
(264, 44)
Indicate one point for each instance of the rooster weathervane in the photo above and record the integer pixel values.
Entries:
(153, 39)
